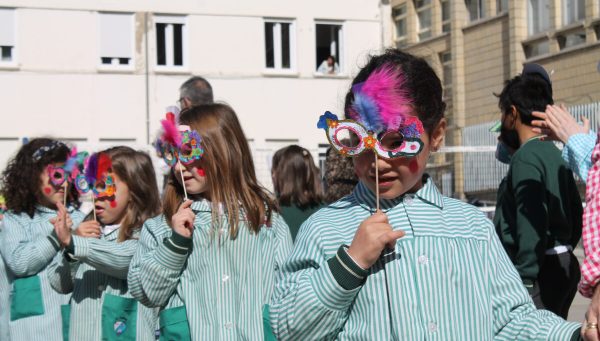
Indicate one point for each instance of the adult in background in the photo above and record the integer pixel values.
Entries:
(541, 205)
(297, 185)
(195, 91)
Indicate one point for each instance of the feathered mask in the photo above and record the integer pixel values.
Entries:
(69, 171)
(97, 177)
(380, 119)
(178, 142)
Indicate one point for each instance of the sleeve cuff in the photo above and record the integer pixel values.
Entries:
(53, 238)
(178, 243)
(346, 272)
(80, 247)
(167, 257)
(329, 292)
(565, 331)
(577, 335)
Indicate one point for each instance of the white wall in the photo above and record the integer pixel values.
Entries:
(57, 89)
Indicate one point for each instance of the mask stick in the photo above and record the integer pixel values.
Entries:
(94, 206)
(66, 186)
(182, 180)
(376, 180)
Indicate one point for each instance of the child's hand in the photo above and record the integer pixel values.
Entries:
(373, 235)
(62, 225)
(89, 229)
(183, 220)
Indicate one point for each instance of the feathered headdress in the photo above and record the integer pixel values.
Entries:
(98, 164)
(170, 133)
(381, 102)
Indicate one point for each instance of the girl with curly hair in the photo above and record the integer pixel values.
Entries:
(31, 185)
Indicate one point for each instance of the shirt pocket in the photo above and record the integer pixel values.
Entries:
(174, 324)
(26, 299)
(119, 318)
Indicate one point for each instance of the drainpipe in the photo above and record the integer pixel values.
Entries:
(147, 78)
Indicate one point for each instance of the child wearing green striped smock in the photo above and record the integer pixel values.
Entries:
(32, 187)
(423, 267)
(210, 262)
(94, 267)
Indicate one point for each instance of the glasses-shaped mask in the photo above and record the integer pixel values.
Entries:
(58, 175)
(102, 188)
(189, 151)
(351, 138)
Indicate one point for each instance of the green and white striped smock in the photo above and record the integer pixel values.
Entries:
(223, 283)
(28, 251)
(4, 297)
(449, 278)
(101, 268)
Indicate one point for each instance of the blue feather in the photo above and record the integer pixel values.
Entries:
(368, 112)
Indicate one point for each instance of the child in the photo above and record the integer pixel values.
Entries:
(297, 185)
(210, 262)
(425, 266)
(33, 185)
(95, 270)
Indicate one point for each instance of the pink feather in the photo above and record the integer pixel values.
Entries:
(170, 133)
(386, 88)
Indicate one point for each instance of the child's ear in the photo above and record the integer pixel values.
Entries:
(437, 135)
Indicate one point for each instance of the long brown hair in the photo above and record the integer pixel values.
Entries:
(227, 162)
(135, 169)
(296, 178)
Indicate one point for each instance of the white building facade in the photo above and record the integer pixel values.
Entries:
(101, 73)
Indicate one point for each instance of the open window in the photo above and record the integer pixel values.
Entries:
(329, 37)
(170, 41)
(280, 45)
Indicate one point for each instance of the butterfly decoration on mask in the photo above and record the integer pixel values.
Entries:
(69, 171)
(98, 177)
(380, 119)
(178, 142)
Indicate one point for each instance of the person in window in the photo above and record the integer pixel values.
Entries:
(329, 66)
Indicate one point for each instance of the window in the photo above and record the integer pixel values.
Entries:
(445, 16)
(501, 6)
(116, 39)
(279, 45)
(572, 38)
(329, 43)
(423, 18)
(399, 16)
(476, 9)
(537, 48)
(573, 11)
(7, 36)
(538, 12)
(446, 60)
(170, 41)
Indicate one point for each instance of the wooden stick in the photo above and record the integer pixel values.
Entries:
(66, 186)
(182, 180)
(376, 180)
(94, 206)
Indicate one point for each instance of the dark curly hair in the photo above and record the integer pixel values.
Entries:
(420, 81)
(20, 184)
